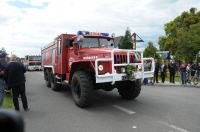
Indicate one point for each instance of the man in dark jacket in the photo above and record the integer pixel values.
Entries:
(163, 70)
(193, 70)
(172, 71)
(157, 67)
(15, 78)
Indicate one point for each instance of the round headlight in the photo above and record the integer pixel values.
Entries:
(123, 70)
(100, 67)
(139, 67)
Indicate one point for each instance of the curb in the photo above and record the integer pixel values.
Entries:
(172, 84)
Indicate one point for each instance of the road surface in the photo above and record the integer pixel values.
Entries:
(157, 109)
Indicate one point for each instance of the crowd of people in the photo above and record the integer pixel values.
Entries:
(12, 77)
(188, 72)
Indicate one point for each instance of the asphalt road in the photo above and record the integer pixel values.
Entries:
(157, 109)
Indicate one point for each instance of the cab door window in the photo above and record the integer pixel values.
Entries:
(54, 57)
(59, 46)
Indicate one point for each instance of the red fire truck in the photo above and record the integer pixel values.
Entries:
(32, 62)
(88, 61)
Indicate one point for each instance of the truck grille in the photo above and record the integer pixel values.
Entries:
(122, 58)
(119, 59)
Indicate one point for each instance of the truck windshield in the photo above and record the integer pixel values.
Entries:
(106, 42)
(97, 42)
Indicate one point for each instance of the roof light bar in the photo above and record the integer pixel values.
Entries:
(87, 33)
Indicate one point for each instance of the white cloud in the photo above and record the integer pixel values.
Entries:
(25, 30)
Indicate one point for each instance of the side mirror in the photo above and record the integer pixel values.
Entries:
(80, 38)
(76, 48)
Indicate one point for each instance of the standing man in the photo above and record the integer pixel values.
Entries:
(193, 70)
(163, 71)
(172, 71)
(183, 72)
(188, 72)
(14, 72)
(3, 55)
(2, 84)
(157, 67)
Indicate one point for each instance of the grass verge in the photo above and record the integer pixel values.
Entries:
(7, 103)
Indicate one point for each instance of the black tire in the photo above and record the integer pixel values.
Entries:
(47, 79)
(129, 89)
(54, 85)
(81, 87)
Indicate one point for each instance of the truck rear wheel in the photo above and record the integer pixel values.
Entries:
(54, 85)
(129, 89)
(81, 87)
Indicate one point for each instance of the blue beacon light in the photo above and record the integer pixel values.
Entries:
(104, 34)
(82, 33)
(92, 33)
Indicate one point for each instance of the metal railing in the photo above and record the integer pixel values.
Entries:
(113, 73)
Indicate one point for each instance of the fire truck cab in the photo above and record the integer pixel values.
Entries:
(88, 61)
(33, 62)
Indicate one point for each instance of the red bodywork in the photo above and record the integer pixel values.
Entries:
(60, 63)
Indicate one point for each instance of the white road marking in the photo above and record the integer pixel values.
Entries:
(134, 126)
(174, 127)
(130, 112)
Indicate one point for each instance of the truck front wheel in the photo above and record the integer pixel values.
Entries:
(47, 79)
(54, 85)
(129, 89)
(81, 87)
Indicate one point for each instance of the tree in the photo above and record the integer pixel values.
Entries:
(150, 51)
(126, 43)
(3, 53)
(182, 36)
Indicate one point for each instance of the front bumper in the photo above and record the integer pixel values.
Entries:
(122, 77)
(114, 76)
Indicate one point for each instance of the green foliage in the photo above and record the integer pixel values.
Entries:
(129, 69)
(7, 103)
(150, 51)
(3, 53)
(126, 43)
(3, 49)
(182, 37)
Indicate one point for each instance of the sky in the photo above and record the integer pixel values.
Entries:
(28, 25)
